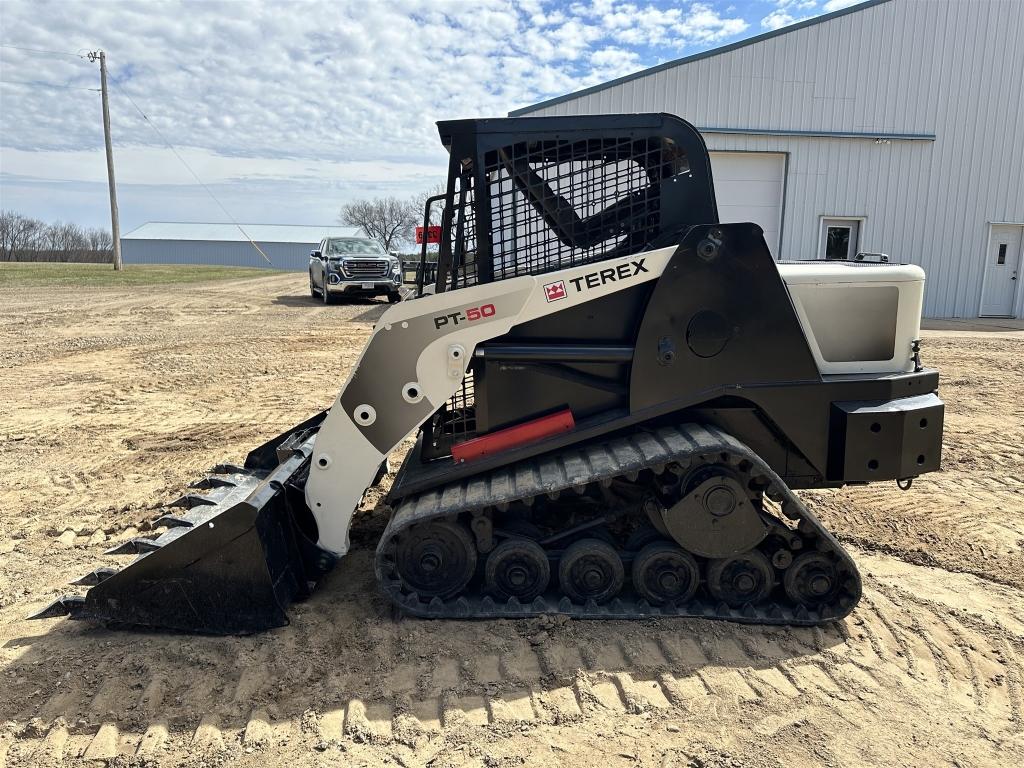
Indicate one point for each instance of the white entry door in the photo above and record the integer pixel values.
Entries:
(1002, 271)
(748, 187)
(839, 239)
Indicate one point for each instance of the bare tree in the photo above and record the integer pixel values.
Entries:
(26, 239)
(18, 234)
(420, 201)
(99, 239)
(67, 242)
(388, 220)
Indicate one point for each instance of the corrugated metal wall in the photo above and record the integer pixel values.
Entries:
(293, 256)
(952, 68)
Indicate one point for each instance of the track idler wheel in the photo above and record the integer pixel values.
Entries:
(716, 517)
(591, 569)
(436, 559)
(812, 579)
(664, 573)
(741, 579)
(517, 568)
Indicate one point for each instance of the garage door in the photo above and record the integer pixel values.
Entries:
(748, 186)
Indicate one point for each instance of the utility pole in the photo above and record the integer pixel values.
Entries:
(115, 229)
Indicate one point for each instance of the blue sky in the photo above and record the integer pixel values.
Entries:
(287, 110)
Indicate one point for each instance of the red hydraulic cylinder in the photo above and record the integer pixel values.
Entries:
(513, 437)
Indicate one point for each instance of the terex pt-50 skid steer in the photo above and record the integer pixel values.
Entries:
(615, 396)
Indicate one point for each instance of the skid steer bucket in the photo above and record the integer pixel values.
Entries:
(233, 557)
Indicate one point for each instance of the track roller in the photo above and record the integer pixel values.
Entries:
(591, 569)
(517, 568)
(436, 559)
(741, 579)
(664, 573)
(812, 579)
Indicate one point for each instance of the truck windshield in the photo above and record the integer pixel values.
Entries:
(352, 245)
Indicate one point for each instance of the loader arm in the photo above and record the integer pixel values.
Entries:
(416, 359)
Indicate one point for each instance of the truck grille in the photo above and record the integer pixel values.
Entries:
(365, 268)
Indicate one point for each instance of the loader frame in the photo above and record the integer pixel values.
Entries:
(584, 279)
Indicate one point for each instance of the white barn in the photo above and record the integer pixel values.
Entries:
(892, 126)
(287, 246)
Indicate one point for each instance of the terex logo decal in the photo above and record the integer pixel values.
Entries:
(471, 314)
(554, 291)
(609, 275)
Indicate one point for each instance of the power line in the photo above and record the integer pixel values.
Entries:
(194, 174)
(49, 85)
(42, 51)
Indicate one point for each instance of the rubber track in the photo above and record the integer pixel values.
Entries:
(575, 468)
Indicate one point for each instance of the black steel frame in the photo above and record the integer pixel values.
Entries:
(715, 339)
(533, 195)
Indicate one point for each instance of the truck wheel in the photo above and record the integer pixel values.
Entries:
(394, 298)
(312, 287)
(328, 299)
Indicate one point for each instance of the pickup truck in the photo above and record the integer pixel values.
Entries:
(353, 266)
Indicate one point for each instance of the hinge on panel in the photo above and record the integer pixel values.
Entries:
(915, 348)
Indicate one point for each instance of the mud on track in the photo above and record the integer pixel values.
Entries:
(114, 402)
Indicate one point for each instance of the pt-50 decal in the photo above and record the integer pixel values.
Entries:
(467, 316)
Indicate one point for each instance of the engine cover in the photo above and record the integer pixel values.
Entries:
(715, 519)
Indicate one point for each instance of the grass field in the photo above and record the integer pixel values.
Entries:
(27, 274)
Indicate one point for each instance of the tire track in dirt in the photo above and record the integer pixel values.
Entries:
(893, 646)
(927, 669)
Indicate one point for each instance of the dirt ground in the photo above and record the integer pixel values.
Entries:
(114, 401)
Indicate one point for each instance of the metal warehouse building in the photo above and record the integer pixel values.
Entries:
(892, 126)
(177, 242)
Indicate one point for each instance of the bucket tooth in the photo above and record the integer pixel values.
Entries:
(193, 500)
(69, 605)
(227, 469)
(213, 482)
(94, 578)
(134, 547)
(172, 521)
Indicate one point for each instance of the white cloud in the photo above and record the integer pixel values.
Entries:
(835, 5)
(776, 19)
(345, 92)
(789, 12)
(802, 5)
(154, 165)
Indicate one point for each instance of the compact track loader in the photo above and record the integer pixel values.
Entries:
(615, 396)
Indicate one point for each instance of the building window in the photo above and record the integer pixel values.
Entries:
(839, 239)
(837, 243)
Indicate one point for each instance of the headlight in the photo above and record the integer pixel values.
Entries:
(396, 267)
